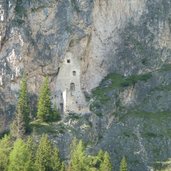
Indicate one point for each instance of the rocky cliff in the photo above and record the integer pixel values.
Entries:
(120, 51)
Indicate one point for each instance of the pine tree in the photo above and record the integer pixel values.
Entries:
(106, 164)
(43, 154)
(23, 103)
(78, 156)
(100, 155)
(31, 146)
(56, 115)
(62, 167)
(123, 164)
(20, 124)
(47, 156)
(17, 128)
(19, 158)
(55, 161)
(44, 112)
(5, 149)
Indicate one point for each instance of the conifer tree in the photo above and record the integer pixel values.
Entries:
(62, 167)
(43, 154)
(19, 158)
(5, 149)
(55, 161)
(78, 156)
(20, 124)
(100, 155)
(23, 103)
(31, 146)
(44, 112)
(55, 114)
(47, 156)
(123, 164)
(106, 164)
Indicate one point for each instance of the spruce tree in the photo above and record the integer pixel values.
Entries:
(23, 103)
(106, 164)
(31, 146)
(55, 160)
(20, 158)
(44, 112)
(123, 164)
(20, 124)
(78, 156)
(5, 149)
(55, 114)
(62, 167)
(17, 128)
(47, 156)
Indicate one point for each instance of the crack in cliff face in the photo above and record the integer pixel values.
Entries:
(142, 151)
(130, 37)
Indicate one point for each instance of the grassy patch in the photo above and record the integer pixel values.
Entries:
(19, 9)
(39, 127)
(103, 94)
(158, 116)
(118, 81)
(166, 67)
(163, 88)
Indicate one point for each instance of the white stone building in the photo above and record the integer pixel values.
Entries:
(69, 96)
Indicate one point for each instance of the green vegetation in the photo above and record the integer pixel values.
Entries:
(30, 155)
(102, 95)
(44, 111)
(118, 81)
(123, 164)
(105, 163)
(80, 161)
(47, 156)
(20, 125)
(166, 67)
(20, 157)
(5, 149)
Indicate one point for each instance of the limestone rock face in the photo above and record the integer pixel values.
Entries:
(107, 60)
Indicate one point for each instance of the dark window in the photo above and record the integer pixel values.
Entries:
(68, 61)
(61, 108)
(72, 87)
(74, 73)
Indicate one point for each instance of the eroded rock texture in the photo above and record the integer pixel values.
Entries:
(123, 47)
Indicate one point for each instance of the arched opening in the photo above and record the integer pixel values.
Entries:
(74, 73)
(68, 60)
(72, 88)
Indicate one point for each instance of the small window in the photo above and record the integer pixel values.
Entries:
(74, 73)
(61, 108)
(68, 61)
(72, 87)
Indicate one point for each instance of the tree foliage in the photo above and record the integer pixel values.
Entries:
(20, 158)
(20, 124)
(44, 112)
(47, 156)
(78, 156)
(123, 164)
(105, 164)
(5, 149)
(28, 155)
(80, 161)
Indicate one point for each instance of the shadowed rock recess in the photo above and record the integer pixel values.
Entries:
(109, 65)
